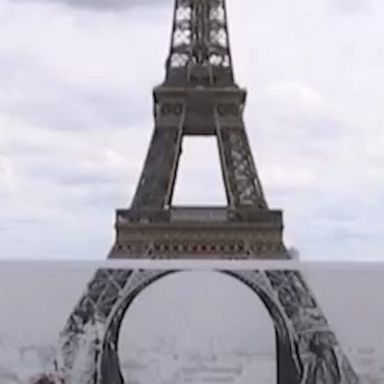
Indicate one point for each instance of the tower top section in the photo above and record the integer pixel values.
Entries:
(199, 97)
(199, 50)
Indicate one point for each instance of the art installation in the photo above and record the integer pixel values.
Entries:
(307, 349)
(199, 97)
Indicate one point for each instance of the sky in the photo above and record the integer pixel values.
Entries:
(76, 117)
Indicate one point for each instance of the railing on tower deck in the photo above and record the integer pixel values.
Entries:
(200, 215)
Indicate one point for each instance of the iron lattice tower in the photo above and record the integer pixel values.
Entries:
(199, 96)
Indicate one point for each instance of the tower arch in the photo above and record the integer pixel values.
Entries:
(287, 359)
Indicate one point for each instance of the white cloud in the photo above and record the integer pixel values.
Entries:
(351, 6)
(291, 94)
(8, 180)
(291, 178)
(101, 5)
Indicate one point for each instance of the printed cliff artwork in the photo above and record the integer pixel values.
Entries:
(177, 323)
(307, 349)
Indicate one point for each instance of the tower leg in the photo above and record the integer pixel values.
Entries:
(240, 177)
(158, 177)
(286, 372)
(110, 368)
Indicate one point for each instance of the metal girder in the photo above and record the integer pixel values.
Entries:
(202, 100)
(241, 180)
(240, 175)
(200, 40)
(159, 173)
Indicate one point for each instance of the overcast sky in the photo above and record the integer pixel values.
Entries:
(76, 117)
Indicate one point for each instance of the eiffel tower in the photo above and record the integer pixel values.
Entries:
(199, 96)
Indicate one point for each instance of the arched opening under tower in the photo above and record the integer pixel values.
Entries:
(198, 327)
